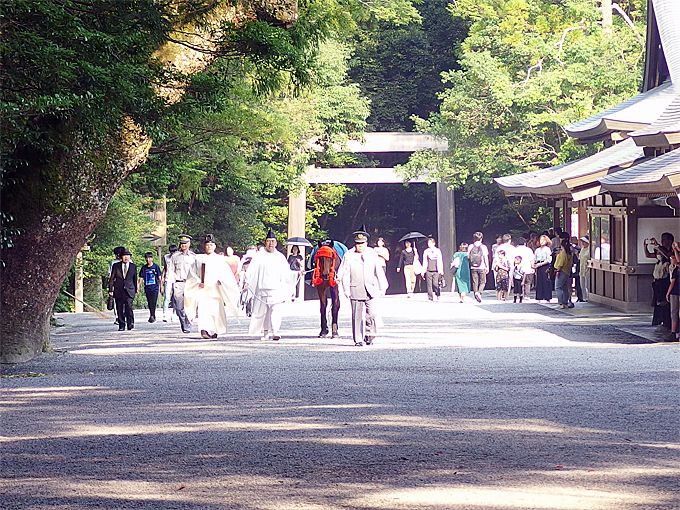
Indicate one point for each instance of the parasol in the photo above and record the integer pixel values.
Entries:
(412, 235)
(298, 241)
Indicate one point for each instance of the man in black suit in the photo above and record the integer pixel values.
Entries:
(123, 287)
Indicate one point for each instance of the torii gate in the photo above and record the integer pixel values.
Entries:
(384, 142)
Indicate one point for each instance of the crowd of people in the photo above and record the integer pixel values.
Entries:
(538, 263)
(210, 287)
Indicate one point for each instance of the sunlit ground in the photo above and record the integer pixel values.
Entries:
(455, 406)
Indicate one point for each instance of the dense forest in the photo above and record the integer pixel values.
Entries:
(218, 107)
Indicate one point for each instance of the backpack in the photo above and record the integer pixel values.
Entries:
(476, 257)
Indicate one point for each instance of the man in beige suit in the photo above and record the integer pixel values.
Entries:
(363, 281)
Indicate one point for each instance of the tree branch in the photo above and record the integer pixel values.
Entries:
(560, 44)
(538, 67)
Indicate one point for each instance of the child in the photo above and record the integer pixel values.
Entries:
(150, 273)
(502, 269)
(518, 276)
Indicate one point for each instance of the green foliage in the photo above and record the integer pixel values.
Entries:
(528, 67)
(398, 66)
(229, 154)
(127, 221)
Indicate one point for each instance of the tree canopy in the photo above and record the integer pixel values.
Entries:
(527, 68)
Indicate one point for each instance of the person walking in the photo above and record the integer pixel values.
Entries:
(478, 256)
(542, 261)
(168, 316)
(507, 247)
(562, 266)
(501, 266)
(363, 282)
(296, 262)
(527, 255)
(433, 262)
(583, 269)
(233, 261)
(270, 283)
(211, 292)
(152, 278)
(383, 253)
(117, 251)
(123, 288)
(460, 266)
(178, 268)
(406, 264)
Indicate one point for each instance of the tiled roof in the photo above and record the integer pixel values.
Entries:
(563, 180)
(654, 177)
(636, 113)
(664, 132)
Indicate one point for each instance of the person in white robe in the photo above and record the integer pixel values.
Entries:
(211, 291)
(271, 283)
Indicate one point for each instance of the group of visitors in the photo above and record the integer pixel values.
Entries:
(210, 287)
(546, 262)
(665, 282)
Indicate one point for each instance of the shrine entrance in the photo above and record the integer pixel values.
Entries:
(373, 143)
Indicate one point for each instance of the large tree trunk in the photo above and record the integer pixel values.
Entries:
(55, 225)
(57, 205)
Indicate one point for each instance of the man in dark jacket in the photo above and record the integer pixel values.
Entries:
(123, 288)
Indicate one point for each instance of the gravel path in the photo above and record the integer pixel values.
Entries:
(465, 407)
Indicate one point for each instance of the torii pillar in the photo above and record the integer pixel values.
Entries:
(446, 228)
(297, 208)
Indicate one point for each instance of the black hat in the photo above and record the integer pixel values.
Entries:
(209, 238)
(117, 250)
(125, 251)
(360, 235)
(270, 234)
(148, 254)
(327, 242)
(183, 238)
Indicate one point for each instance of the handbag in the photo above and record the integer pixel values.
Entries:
(442, 281)
(418, 267)
(455, 264)
(109, 303)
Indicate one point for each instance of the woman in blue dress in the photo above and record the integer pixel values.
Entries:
(460, 265)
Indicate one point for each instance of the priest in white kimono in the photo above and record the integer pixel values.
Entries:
(211, 291)
(271, 283)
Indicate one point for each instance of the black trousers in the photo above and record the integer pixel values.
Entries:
(579, 290)
(124, 311)
(432, 281)
(152, 300)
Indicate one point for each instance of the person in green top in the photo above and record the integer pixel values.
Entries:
(562, 265)
(460, 265)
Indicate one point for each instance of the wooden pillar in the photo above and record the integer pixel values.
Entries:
(555, 213)
(566, 216)
(446, 227)
(630, 247)
(297, 208)
(78, 291)
(583, 226)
